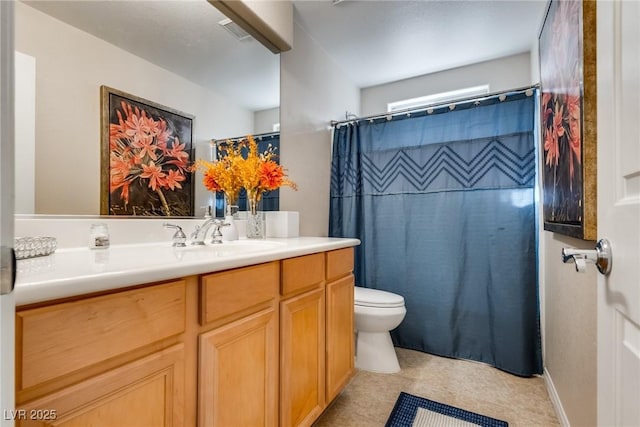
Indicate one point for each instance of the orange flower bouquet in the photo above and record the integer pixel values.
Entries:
(256, 172)
(259, 173)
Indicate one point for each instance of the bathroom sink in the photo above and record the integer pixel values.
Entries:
(237, 247)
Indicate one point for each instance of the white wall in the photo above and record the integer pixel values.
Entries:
(571, 330)
(25, 138)
(265, 119)
(535, 63)
(71, 67)
(313, 91)
(504, 73)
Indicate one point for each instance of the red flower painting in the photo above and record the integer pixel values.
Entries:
(561, 112)
(149, 159)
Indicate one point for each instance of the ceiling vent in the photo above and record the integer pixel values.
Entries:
(234, 29)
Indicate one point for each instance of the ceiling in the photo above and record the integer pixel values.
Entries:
(182, 36)
(377, 42)
(374, 42)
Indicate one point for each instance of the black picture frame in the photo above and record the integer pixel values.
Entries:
(147, 150)
(567, 53)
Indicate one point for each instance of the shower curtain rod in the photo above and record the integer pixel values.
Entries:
(437, 105)
(257, 136)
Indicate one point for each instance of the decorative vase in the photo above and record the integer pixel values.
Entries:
(256, 219)
(230, 206)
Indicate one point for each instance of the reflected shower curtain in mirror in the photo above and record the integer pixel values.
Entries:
(443, 202)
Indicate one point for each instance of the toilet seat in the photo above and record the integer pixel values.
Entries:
(365, 297)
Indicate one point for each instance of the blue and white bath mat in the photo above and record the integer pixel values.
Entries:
(414, 411)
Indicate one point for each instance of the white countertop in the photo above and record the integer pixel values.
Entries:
(76, 271)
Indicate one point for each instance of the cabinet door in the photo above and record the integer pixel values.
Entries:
(238, 384)
(340, 331)
(146, 392)
(302, 358)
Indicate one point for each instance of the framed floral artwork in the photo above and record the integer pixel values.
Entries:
(567, 49)
(147, 152)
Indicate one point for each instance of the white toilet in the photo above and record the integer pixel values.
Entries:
(376, 313)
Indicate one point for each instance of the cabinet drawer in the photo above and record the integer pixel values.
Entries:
(225, 294)
(302, 273)
(339, 263)
(59, 339)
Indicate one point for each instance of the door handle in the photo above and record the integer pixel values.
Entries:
(601, 256)
(7, 270)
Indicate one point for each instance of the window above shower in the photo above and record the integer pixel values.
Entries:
(436, 98)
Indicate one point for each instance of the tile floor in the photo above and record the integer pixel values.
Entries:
(369, 398)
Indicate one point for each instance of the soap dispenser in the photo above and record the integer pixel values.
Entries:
(229, 233)
(207, 211)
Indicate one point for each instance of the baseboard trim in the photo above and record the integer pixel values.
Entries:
(555, 400)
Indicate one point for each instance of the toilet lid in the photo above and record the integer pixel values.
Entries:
(376, 298)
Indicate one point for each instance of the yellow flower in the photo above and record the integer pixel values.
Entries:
(259, 172)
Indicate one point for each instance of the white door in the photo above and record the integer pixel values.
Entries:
(7, 333)
(619, 212)
(7, 305)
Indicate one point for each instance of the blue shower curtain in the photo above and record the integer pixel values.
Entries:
(443, 202)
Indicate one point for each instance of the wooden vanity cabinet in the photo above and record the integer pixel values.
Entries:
(302, 340)
(263, 345)
(146, 392)
(316, 333)
(339, 321)
(238, 360)
(115, 359)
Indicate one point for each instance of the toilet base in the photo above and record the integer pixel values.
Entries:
(375, 353)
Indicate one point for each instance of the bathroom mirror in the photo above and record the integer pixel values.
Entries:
(174, 53)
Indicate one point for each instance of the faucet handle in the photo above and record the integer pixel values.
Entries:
(179, 238)
(207, 211)
(216, 236)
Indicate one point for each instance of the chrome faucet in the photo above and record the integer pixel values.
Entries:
(200, 233)
(179, 237)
